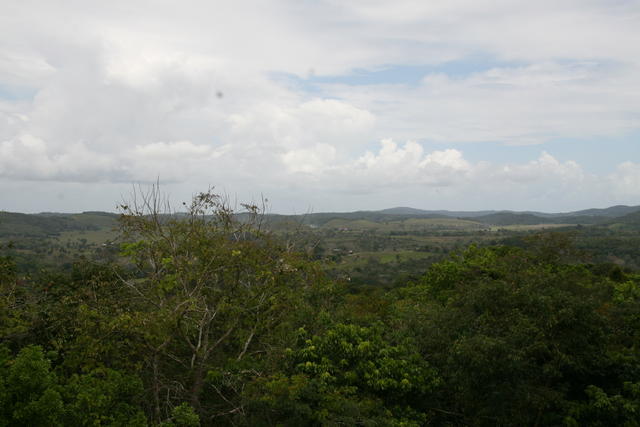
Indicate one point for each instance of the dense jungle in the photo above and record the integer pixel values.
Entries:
(221, 316)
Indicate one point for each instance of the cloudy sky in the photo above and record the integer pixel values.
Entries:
(321, 104)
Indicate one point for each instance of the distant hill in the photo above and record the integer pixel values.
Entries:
(433, 213)
(581, 219)
(48, 224)
(403, 211)
(631, 220)
(509, 218)
(322, 218)
(611, 212)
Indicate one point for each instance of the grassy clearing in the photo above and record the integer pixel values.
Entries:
(442, 223)
(405, 226)
(92, 237)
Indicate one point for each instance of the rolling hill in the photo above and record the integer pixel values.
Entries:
(46, 224)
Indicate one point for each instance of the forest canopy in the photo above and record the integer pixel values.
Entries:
(209, 317)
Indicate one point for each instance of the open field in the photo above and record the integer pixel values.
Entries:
(408, 225)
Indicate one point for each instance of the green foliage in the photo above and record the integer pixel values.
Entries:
(210, 292)
(7, 269)
(206, 317)
(12, 317)
(348, 375)
(28, 392)
(517, 335)
(103, 397)
(183, 415)
(31, 394)
(606, 410)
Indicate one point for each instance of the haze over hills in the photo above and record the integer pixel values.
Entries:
(493, 217)
(629, 219)
(46, 223)
(613, 211)
(445, 213)
(42, 224)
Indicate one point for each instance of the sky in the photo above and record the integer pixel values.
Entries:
(321, 105)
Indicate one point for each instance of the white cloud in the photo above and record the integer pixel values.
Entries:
(545, 183)
(177, 161)
(516, 105)
(296, 123)
(406, 165)
(312, 160)
(171, 151)
(546, 167)
(28, 158)
(625, 182)
(23, 69)
(120, 91)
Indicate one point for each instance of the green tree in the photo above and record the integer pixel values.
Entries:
(211, 288)
(103, 397)
(602, 409)
(348, 375)
(517, 335)
(29, 394)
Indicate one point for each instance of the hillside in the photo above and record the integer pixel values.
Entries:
(508, 218)
(511, 218)
(631, 220)
(42, 225)
(611, 212)
(48, 224)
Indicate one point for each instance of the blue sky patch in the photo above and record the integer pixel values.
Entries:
(410, 75)
(16, 93)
